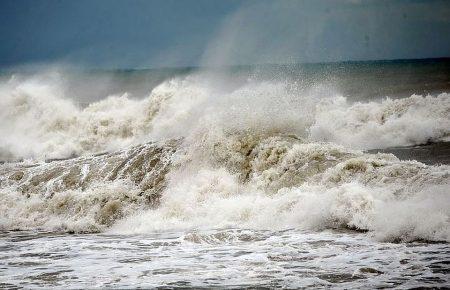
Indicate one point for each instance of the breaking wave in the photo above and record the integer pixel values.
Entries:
(201, 154)
(38, 121)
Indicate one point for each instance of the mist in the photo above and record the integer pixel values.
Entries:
(283, 32)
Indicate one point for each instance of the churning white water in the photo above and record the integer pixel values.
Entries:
(261, 183)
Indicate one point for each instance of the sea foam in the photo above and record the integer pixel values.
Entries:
(194, 154)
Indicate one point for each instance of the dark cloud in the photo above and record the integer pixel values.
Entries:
(138, 33)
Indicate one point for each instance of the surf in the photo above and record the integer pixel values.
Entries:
(205, 153)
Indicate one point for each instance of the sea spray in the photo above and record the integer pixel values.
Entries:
(40, 122)
(194, 154)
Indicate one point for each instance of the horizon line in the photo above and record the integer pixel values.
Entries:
(37, 66)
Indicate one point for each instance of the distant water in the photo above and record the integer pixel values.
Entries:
(319, 175)
(433, 153)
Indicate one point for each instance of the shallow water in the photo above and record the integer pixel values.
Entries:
(226, 258)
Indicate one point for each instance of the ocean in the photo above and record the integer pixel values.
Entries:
(269, 176)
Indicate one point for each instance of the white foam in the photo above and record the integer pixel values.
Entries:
(251, 156)
(39, 121)
(376, 193)
(389, 123)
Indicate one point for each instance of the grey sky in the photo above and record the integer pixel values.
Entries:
(137, 34)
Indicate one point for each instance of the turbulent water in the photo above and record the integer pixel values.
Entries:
(234, 179)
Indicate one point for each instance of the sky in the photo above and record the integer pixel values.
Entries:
(175, 33)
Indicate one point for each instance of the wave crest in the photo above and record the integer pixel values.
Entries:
(252, 156)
